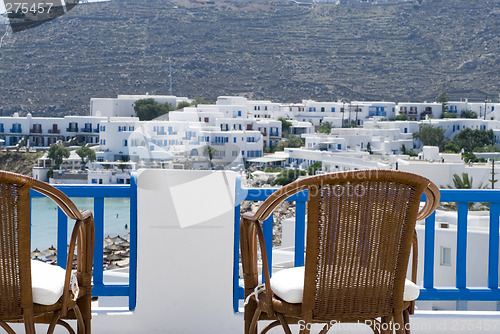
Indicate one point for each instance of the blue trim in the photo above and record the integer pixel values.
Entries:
(236, 251)
(133, 243)
(300, 232)
(461, 267)
(99, 239)
(99, 192)
(493, 246)
(478, 294)
(62, 238)
(430, 223)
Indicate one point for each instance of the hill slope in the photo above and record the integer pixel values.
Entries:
(264, 49)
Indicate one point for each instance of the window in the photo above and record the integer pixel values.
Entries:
(445, 256)
(125, 142)
(322, 109)
(333, 109)
(234, 140)
(239, 112)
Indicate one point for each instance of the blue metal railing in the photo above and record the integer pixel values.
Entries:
(461, 292)
(99, 193)
(261, 194)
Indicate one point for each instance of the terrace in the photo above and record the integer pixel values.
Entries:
(184, 271)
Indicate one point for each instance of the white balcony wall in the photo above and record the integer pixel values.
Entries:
(185, 225)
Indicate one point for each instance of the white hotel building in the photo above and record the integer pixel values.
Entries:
(44, 131)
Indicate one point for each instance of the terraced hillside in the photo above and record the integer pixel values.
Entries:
(276, 50)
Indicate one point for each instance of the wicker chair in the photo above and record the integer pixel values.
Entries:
(16, 269)
(360, 229)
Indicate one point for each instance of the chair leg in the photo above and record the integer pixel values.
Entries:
(284, 324)
(52, 324)
(84, 306)
(399, 324)
(7, 328)
(80, 320)
(66, 325)
(325, 329)
(385, 325)
(29, 325)
(373, 325)
(255, 320)
(270, 326)
(406, 320)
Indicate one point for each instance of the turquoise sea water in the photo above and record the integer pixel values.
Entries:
(44, 219)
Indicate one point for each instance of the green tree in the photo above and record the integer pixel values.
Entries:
(443, 99)
(409, 152)
(468, 114)
(314, 167)
(148, 109)
(198, 100)
(449, 115)
(464, 182)
(287, 176)
(471, 157)
(210, 151)
(182, 105)
(290, 141)
(285, 125)
(86, 154)
(401, 117)
(451, 147)
(430, 135)
(470, 140)
(369, 148)
(325, 127)
(57, 154)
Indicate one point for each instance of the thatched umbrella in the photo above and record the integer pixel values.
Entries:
(125, 254)
(51, 250)
(36, 253)
(114, 247)
(124, 244)
(114, 257)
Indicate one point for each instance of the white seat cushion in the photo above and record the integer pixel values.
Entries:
(47, 282)
(288, 284)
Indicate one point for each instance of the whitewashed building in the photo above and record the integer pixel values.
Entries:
(123, 105)
(44, 131)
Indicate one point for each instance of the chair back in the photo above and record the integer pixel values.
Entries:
(15, 269)
(16, 298)
(360, 227)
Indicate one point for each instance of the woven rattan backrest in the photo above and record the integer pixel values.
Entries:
(15, 275)
(15, 265)
(360, 227)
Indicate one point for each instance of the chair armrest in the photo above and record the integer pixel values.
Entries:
(432, 200)
(250, 234)
(83, 239)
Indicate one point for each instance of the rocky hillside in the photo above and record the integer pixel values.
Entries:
(279, 50)
(16, 162)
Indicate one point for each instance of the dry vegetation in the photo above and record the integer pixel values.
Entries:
(274, 50)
